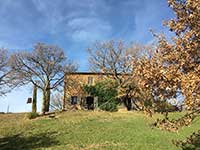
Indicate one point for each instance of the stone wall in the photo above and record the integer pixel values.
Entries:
(73, 86)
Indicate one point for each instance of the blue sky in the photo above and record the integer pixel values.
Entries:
(74, 25)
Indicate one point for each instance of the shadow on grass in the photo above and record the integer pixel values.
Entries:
(19, 142)
(190, 143)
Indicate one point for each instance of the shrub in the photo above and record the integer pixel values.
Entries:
(32, 115)
(111, 106)
(106, 91)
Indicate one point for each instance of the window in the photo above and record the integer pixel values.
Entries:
(74, 100)
(90, 80)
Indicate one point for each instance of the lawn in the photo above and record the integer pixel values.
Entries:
(87, 130)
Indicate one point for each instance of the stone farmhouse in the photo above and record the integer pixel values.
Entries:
(74, 93)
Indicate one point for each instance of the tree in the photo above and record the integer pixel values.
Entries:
(115, 59)
(5, 71)
(56, 102)
(44, 67)
(174, 67)
(182, 56)
(155, 84)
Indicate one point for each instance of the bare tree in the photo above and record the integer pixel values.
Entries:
(44, 67)
(116, 60)
(5, 71)
(56, 102)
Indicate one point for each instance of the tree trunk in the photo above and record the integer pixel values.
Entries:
(48, 96)
(129, 106)
(34, 102)
(64, 99)
(44, 102)
(46, 99)
(127, 103)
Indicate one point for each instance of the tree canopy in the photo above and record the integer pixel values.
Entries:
(44, 67)
(5, 72)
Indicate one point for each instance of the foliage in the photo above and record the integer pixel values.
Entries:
(175, 124)
(166, 107)
(106, 91)
(109, 106)
(173, 68)
(153, 87)
(32, 115)
(181, 59)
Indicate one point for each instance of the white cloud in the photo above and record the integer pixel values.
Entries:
(52, 18)
(88, 29)
(77, 20)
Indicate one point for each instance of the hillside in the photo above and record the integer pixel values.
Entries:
(87, 130)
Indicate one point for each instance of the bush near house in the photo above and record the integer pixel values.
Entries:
(106, 91)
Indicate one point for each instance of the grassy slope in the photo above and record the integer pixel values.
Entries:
(87, 130)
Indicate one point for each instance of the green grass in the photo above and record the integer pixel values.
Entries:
(87, 130)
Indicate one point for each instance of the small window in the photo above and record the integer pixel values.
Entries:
(74, 100)
(90, 80)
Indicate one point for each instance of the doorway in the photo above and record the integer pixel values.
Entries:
(90, 102)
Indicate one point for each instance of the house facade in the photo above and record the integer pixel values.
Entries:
(74, 93)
